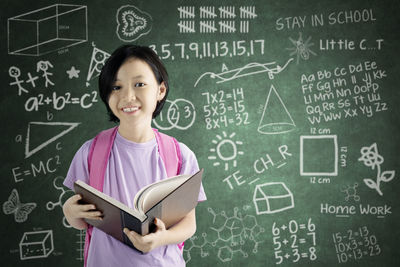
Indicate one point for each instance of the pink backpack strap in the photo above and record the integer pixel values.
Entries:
(99, 153)
(170, 153)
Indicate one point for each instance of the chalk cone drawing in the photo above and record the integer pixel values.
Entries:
(226, 150)
(67, 127)
(301, 49)
(97, 62)
(14, 206)
(47, 29)
(272, 197)
(250, 69)
(132, 23)
(310, 164)
(371, 158)
(37, 244)
(275, 118)
(179, 114)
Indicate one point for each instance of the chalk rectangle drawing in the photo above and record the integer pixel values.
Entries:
(47, 29)
(37, 244)
(319, 155)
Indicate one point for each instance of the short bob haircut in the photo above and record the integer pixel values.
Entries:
(120, 56)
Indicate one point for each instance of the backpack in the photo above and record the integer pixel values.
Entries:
(99, 154)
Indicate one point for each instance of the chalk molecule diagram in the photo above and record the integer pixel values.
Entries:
(64, 195)
(231, 235)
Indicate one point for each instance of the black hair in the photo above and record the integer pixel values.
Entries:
(114, 62)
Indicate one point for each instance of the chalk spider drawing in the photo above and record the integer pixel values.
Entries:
(301, 48)
(371, 158)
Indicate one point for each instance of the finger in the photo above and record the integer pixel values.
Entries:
(133, 236)
(159, 223)
(88, 207)
(76, 198)
(93, 215)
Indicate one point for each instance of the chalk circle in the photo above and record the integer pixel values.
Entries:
(177, 110)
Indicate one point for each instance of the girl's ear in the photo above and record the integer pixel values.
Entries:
(162, 90)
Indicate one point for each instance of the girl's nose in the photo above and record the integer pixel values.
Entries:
(130, 94)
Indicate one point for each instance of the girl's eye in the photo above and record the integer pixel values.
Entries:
(139, 84)
(116, 88)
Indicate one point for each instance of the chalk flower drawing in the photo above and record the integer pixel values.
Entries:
(371, 158)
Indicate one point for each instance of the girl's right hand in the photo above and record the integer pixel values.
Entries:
(75, 212)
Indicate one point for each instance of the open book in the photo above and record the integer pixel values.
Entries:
(170, 200)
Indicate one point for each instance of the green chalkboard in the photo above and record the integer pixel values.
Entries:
(291, 107)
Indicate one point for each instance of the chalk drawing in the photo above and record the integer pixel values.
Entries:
(50, 29)
(73, 73)
(331, 154)
(37, 244)
(272, 198)
(14, 206)
(301, 49)
(275, 118)
(97, 62)
(15, 73)
(351, 192)
(64, 195)
(43, 66)
(249, 69)
(371, 158)
(179, 114)
(29, 152)
(226, 150)
(132, 23)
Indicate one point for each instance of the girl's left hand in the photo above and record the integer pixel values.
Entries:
(151, 241)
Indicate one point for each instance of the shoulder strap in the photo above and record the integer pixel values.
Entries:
(170, 153)
(98, 157)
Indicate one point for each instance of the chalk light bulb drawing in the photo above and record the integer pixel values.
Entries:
(226, 150)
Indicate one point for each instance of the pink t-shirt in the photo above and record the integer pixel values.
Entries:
(131, 166)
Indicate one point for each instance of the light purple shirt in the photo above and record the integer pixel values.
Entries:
(131, 166)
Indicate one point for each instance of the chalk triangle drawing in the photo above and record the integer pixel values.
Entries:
(62, 127)
(275, 118)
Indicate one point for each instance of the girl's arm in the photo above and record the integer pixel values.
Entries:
(178, 233)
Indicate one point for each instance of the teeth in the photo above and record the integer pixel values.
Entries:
(130, 109)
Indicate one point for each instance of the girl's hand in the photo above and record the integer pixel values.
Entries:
(75, 212)
(151, 241)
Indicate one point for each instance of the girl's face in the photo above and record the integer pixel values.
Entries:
(135, 93)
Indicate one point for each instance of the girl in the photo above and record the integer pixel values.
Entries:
(133, 84)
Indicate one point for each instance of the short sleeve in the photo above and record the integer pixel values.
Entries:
(78, 170)
(190, 166)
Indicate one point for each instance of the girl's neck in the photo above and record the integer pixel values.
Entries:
(136, 133)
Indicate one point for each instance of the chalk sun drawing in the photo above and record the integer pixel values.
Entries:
(226, 150)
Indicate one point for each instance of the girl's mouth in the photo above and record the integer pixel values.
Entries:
(130, 109)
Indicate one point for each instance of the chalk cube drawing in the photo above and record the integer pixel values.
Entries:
(272, 197)
(47, 29)
(319, 155)
(35, 245)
